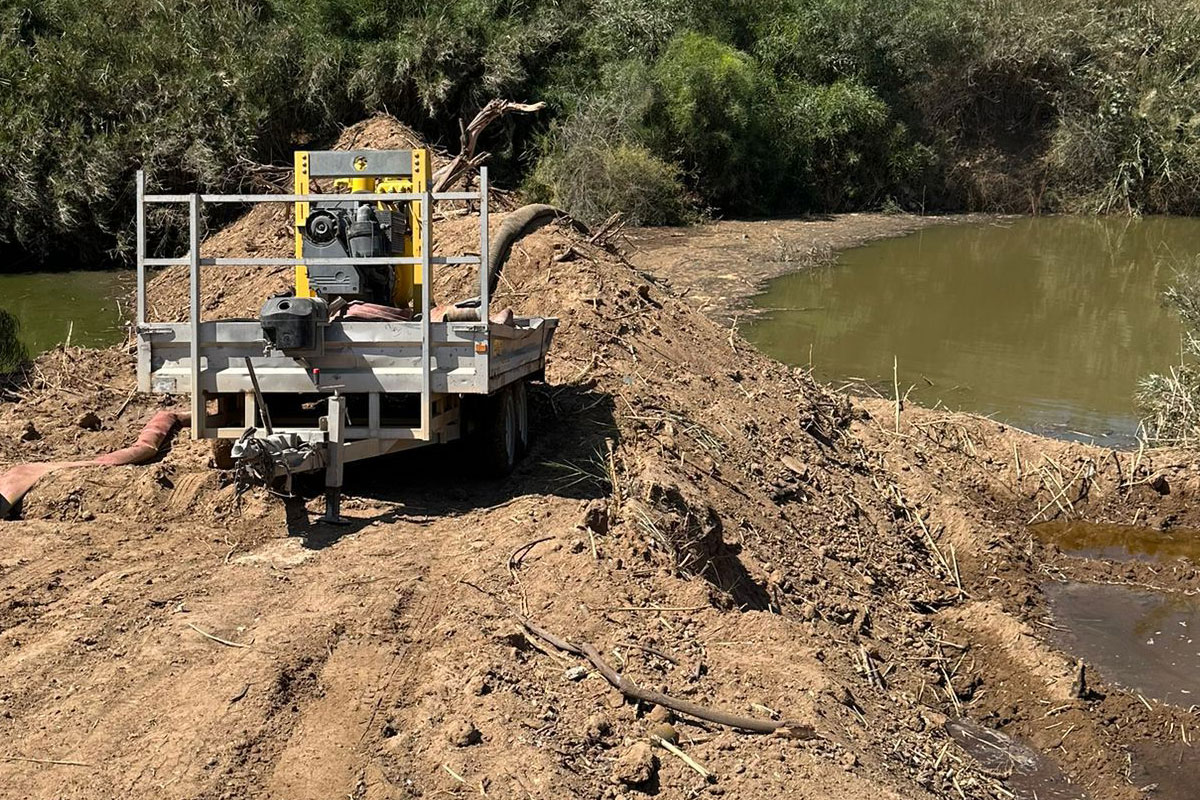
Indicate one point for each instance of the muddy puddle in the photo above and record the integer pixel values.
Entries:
(1165, 771)
(1145, 641)
(1045, 323)
(1136, 638)
(1028, 774)
(1120, 542)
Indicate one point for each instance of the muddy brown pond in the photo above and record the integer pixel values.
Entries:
(1046, 323)
(50, 306)
(1120, 542)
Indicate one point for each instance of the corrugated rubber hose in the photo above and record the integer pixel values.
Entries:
(517, 225)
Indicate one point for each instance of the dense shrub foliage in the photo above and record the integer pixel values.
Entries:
(660, 107)
(12, 352)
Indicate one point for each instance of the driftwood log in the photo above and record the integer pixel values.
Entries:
(467, 158)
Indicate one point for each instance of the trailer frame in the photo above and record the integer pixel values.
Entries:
(438, 363)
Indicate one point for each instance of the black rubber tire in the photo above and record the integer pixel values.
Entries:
(222, 454)
(521, 407)
(516, 226)
(499, 440)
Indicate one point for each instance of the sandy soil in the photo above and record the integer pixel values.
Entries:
(717, 525)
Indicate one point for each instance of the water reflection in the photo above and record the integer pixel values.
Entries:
(1119, 542)
(89, 305)
(1143, 640)
(1046, 322)
(1029, 774)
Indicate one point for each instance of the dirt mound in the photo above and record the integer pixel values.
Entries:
(718, 526)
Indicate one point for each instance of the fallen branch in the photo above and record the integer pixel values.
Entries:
(628, 688)
(466, 158)
(607, 229)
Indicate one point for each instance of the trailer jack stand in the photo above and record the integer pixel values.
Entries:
(333, 507)
(336, 438)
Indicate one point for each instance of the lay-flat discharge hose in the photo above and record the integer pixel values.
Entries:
(516, 226)
(16, 482)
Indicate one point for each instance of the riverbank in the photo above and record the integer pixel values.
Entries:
(719, 266)
(716, 524)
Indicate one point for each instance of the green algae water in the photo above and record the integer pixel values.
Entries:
(90, 306)
(1044, 323)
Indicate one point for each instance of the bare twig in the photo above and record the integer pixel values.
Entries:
(125, 405)
(55, 761)
(896, 387)
(514, 560)
(655, 608)
(606, 229)
(650, 650)
(682, 756)
(216, 639)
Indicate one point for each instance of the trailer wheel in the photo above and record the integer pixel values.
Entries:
(521, 403)
(500, 435)
(222, 454)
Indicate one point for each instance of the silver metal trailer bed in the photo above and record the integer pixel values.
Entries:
(377, 387)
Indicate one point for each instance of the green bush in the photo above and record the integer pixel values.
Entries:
(12, 351)
(595, 180)
(756, 106)
(593, 166)
(841, 148)
(708, 114)
(93, 90)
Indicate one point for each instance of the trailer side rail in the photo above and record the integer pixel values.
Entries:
(205, 341)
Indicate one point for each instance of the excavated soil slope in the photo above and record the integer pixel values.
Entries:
(717, 525)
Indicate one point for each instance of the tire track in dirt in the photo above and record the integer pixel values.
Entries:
(413, 621)
(95, 656)
(326, 750)
(157, 693)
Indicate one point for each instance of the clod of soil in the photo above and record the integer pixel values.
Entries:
(463, 733)
(660, 714)
(598, 726)
(636, 766)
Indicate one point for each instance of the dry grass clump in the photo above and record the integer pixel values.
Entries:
(1171, 401)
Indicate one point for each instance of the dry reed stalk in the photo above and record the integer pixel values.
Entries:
(896, 388)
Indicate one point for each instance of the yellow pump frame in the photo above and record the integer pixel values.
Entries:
(407, 290)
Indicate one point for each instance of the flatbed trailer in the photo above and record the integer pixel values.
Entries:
(372, 387)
